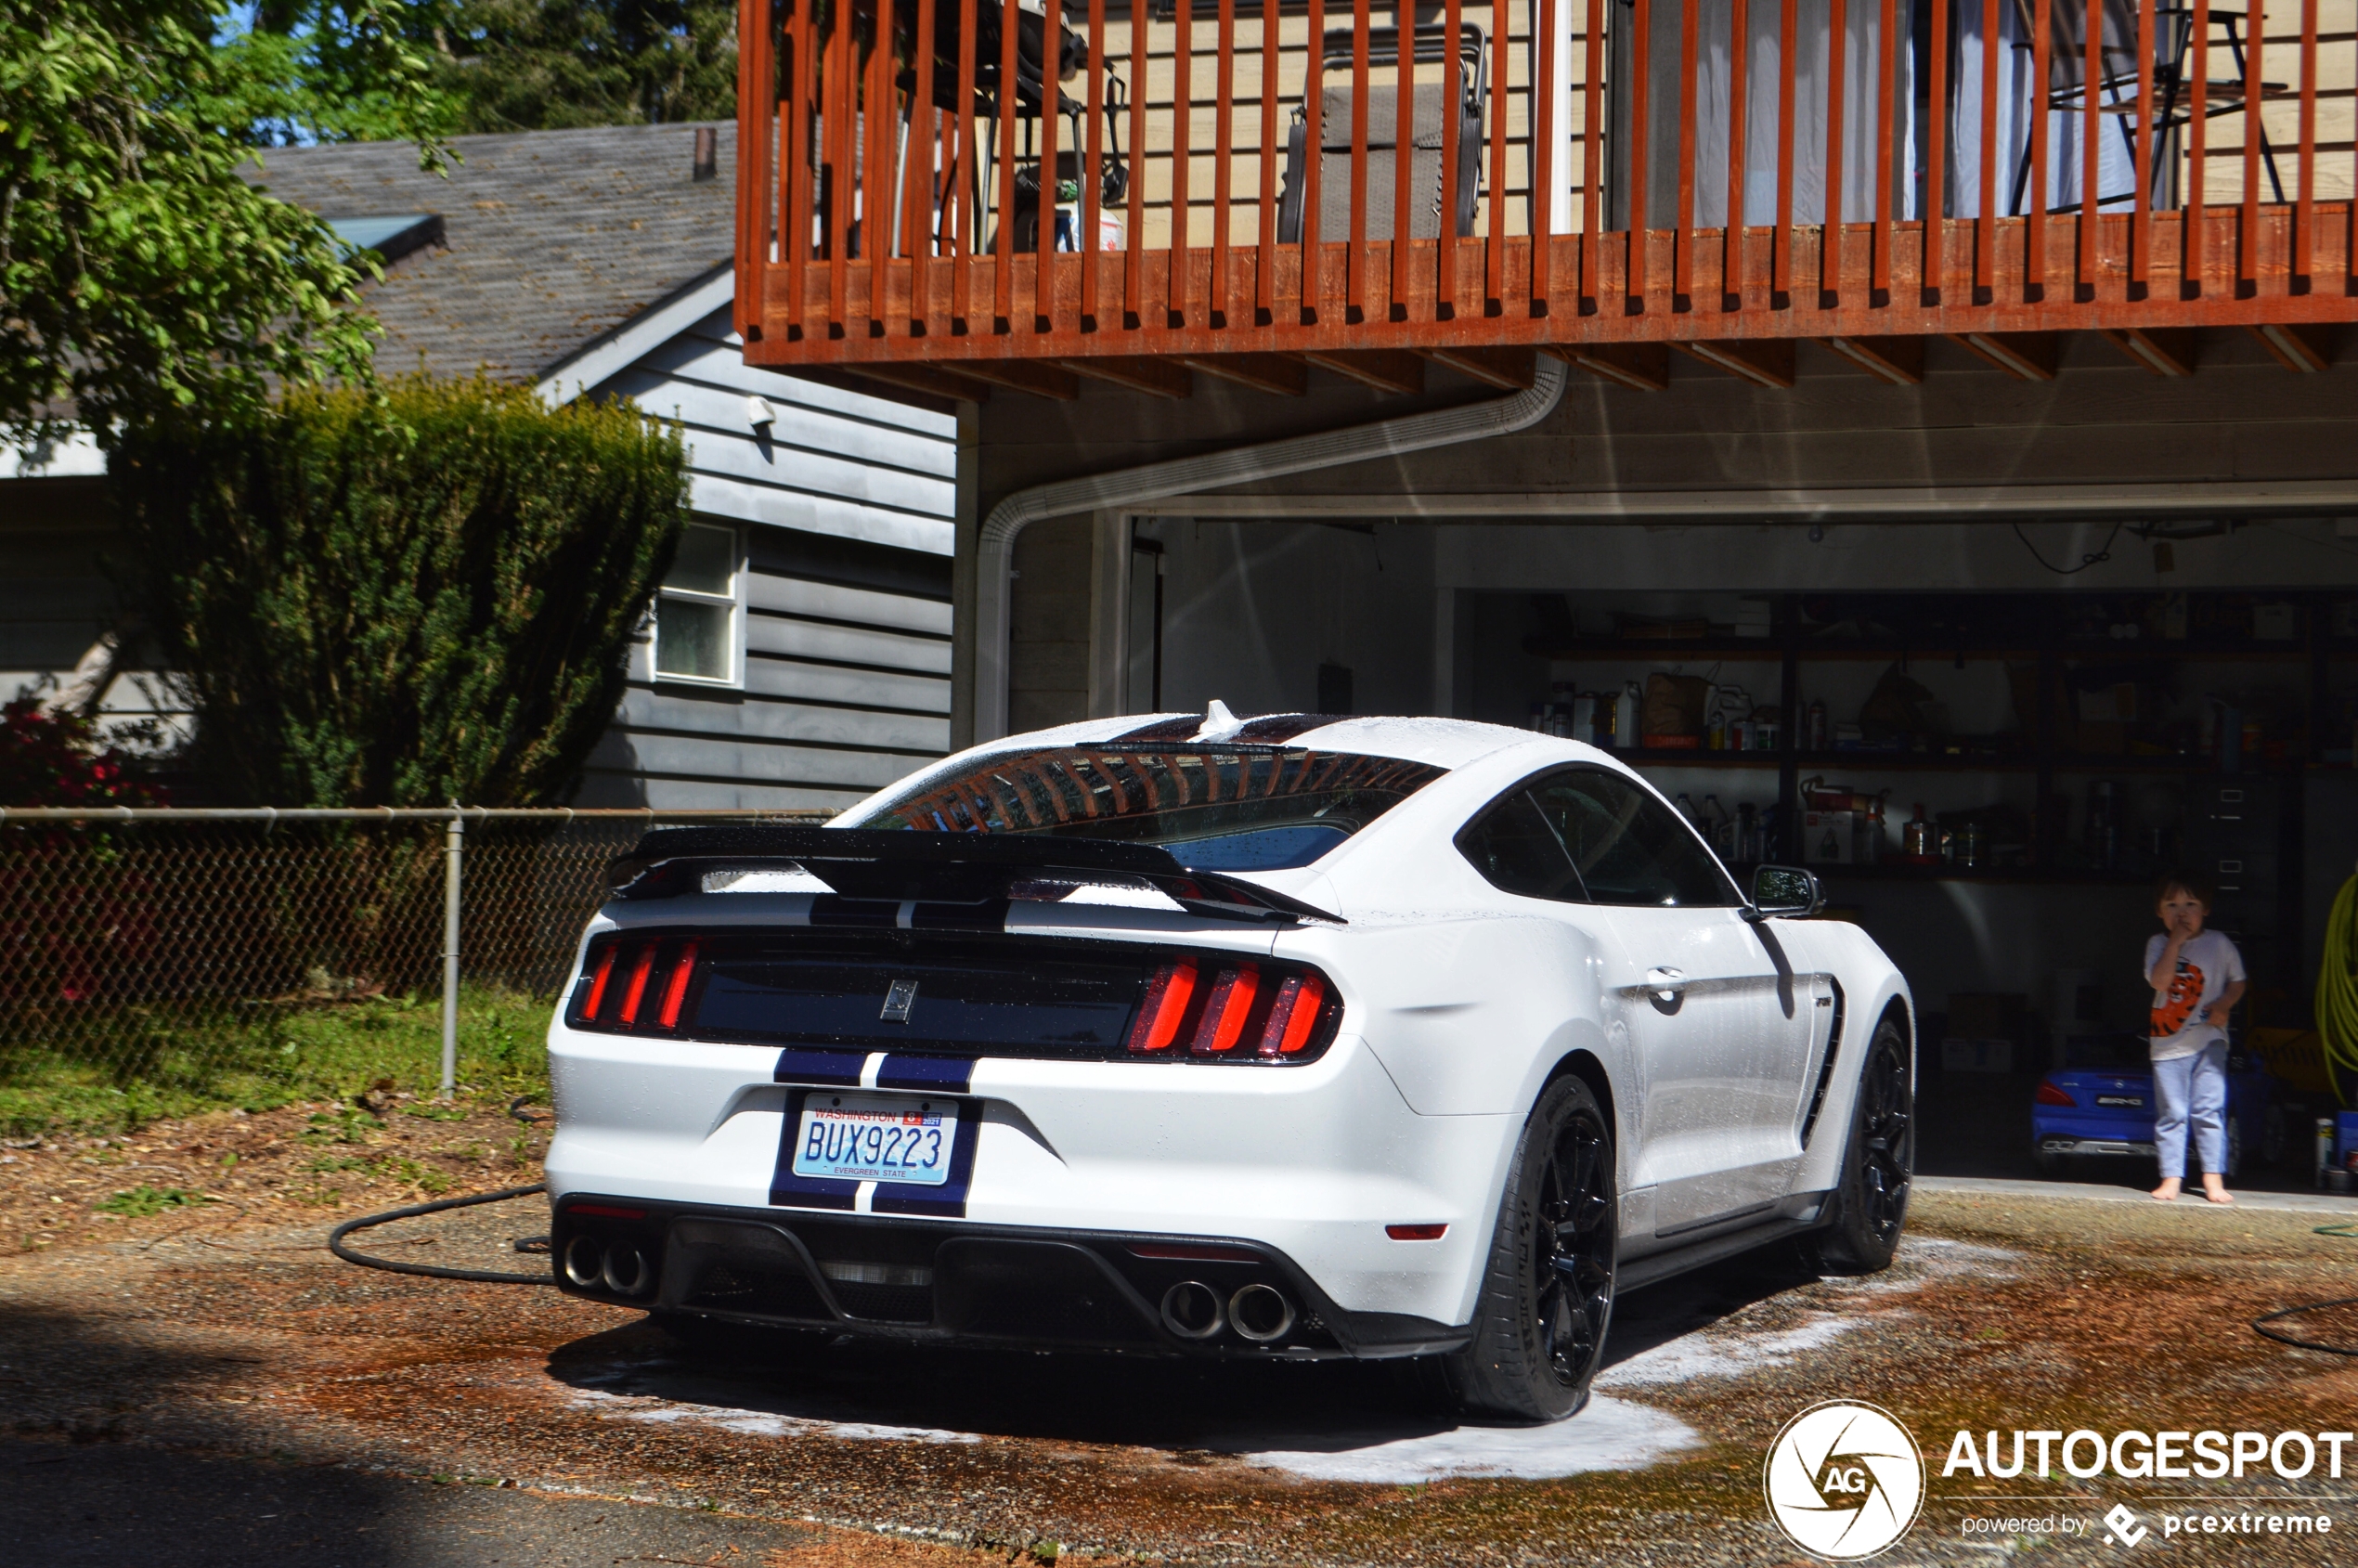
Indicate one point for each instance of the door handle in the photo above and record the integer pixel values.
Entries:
(1667, 982)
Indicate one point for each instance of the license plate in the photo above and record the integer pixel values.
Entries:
(2130, 1102)
(872, 1138)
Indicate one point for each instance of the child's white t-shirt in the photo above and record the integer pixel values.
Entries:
(2208, 965)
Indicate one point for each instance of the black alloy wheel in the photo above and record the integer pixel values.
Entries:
(1547, 1298)
(1574, 1292)
(1868, 1208)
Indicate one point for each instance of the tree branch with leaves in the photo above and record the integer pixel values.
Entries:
(140, 273)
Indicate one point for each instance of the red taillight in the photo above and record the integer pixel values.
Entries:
(1294, 1017)
(1233, 992)
(1415, 1233)
(677, 992)
(2052, 1093)
(597, 982)
(639, 972)
(1165, 1007)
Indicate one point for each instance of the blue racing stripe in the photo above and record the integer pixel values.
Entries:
(949, 1200)
(837, 1069)
(952, 1075)
(789, 1190)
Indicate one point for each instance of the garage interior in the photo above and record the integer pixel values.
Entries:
(2075, 707)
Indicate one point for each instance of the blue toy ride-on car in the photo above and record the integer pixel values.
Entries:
(2104, 1104)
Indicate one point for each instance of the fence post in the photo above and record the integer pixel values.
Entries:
(454, 839)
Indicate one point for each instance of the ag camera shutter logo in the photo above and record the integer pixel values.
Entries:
(1843, 1479)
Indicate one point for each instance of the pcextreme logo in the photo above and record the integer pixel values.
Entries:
(1843, 1479)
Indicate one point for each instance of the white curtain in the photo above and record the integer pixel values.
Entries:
(1958, 121)
(1861, 100)
(2018, 99)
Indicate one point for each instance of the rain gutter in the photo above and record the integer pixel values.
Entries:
(1208, 471)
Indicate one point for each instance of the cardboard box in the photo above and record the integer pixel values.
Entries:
(1962, 1055)
(1829, 838)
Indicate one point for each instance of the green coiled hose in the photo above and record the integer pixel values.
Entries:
(2337, 991)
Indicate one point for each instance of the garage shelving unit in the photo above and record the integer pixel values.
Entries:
(2037, 630)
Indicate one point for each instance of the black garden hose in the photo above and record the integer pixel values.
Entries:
(480, 1276)
(2260, 1324)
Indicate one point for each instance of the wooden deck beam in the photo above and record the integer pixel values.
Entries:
(1155, 378)
(2028, 356)
(1384, 370)
(937, 380)
(1280, 375)
(2166, 351)
(1764, 362)
(2305, 349)
(1510, 370)
(1641, 366)
(1038, 377)
(1897, 361)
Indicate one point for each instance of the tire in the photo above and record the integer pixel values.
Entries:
(1869, 1206)
(2052, 1166)
(1547, 1292)
(2234, 1149)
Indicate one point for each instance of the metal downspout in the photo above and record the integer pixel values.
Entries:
(1238, 465)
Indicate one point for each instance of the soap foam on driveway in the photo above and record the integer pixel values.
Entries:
(1721, 1325)
(1610, 1434)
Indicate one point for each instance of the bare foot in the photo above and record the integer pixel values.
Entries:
(2216, 1190)
(2168, 1191)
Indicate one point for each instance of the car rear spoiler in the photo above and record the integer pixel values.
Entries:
(943, 867)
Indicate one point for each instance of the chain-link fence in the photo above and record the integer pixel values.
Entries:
(125, 935)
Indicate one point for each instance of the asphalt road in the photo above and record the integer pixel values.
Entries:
(229, 1394)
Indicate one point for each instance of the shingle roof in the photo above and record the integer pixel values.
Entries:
(553, 237)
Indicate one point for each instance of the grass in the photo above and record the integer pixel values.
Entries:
(165, 1067)
(143, 1200)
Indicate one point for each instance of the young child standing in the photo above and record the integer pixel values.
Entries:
(2197, 976)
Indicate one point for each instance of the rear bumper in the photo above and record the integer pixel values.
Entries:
(958, 1282)
(2062, 1143)
(1311, 1164)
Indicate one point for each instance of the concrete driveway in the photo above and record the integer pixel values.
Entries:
(230, 1394)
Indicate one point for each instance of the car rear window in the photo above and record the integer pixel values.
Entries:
(1214, 807)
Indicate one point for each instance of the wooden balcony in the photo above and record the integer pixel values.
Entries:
(1225, 176)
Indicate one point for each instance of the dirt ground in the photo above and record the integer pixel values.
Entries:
(204, 1383)
(297, 1164)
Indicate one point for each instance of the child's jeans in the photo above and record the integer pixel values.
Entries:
(2192, 1089)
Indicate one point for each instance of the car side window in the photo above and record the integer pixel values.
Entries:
(1628, 847)
(1515, 849)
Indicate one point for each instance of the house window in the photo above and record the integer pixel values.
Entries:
(697, 613)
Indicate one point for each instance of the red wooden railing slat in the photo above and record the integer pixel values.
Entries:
(850, 168)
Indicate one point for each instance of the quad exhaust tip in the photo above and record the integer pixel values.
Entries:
(622, 1269)
(1260, 1313)
(1191, 1310)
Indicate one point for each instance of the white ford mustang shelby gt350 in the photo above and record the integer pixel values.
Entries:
(1290, 1037)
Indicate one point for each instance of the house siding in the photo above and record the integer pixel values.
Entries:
(846, 503)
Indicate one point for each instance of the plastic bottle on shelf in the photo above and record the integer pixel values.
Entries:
(1625, 718)
(1718, 827)
(1920, 840)
(1584, 716)
(1747, 847)
(1814, 737)
(1687, 809)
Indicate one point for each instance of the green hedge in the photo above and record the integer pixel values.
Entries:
(399, 595)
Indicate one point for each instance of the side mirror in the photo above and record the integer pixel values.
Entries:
(1786, 890)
